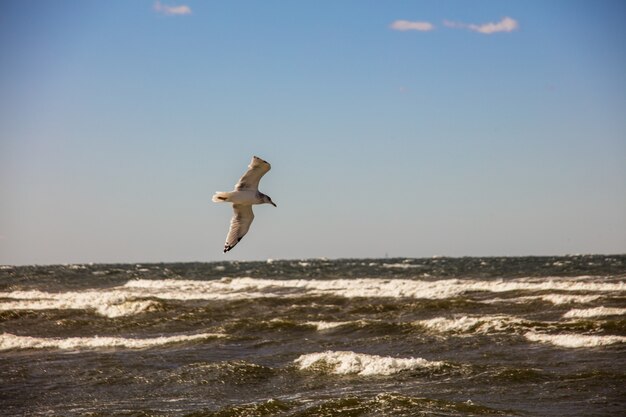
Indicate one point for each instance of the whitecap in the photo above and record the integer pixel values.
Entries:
(138, 295)
(574, 340)
(556, 299)
(401, 266)
(594, 312)
(111, 303)
(244, 287)
(327, 325)
(347, 362)
(469, 324)
(11, 341)
(127, 308)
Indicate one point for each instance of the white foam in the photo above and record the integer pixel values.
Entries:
(327, 325)
(10, 341)
(137, 296)
(346, 362)
(574, 340)
(594, 312)
(238, 288)
(556, 299)
(127, 308)
(467, 324)
(224, 289)
(112, 303)
(401, 266)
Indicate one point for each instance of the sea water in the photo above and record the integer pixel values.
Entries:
(530, 336)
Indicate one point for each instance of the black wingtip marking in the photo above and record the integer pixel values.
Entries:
(228, 247)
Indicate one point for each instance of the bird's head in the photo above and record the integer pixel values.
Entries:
(268, 200)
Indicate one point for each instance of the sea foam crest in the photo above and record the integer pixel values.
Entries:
(468, 324)
(11, 341)
(559, 299)
(239, 288)
(594, 312)
(109, 303)
(401, 266)
(347, 362)
(574, 340)
(327, 325)
(139, 295)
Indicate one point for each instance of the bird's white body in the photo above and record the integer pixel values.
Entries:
(245, 194)
(239, 197)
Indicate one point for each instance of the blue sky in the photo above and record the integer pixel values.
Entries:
(405, 128)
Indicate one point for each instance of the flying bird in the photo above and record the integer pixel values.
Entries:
(245, 194)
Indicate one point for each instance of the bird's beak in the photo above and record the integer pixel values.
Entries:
(272, 203)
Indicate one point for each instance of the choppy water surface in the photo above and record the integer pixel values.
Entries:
(384, 337)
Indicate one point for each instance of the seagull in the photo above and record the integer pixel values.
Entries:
(245, 194)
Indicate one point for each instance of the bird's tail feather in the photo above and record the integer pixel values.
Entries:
(220, 197)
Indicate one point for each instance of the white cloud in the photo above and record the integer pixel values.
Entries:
(171, 10)
(507, 24)
(404, 25)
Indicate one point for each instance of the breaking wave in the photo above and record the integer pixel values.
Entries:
(238, 288)
(594, 312)
(467, 324)
(347, 362)
(111, 303)
(555, 298)
(574, 340)
(142, 295)
(327, 325)
(11, 341)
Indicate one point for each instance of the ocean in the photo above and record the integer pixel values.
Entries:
(498, 336)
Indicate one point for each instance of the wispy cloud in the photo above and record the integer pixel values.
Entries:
(171, 10)
(506, 24)
(404, 25)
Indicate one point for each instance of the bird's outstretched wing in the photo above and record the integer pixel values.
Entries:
(239, 225)
(256, 169)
